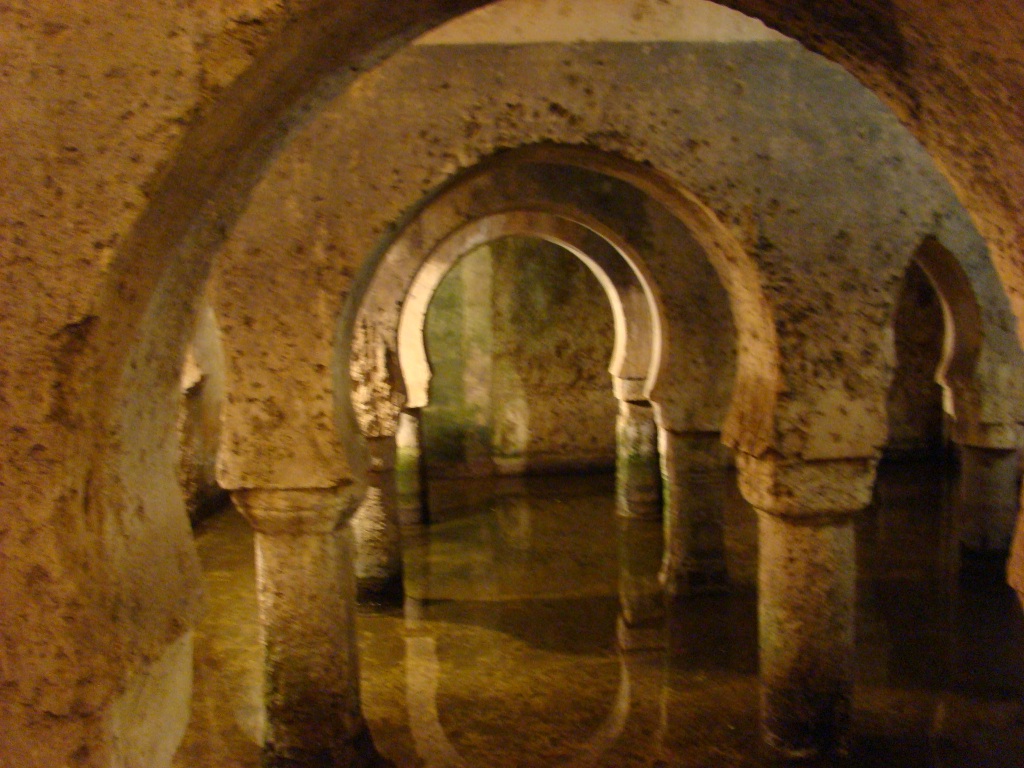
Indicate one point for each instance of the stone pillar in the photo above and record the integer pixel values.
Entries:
(306, 591)
(412, 508)
(987, 498)
(806, 595)
(806, 583)
(694, 473)
(637, 471)
(375, 525)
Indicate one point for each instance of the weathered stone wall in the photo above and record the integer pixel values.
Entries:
(519, 335)
(132, 133)
(831, 209)
(553, 405)
(455, 427)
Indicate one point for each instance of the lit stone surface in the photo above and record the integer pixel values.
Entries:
(545, 21)
(134, 135)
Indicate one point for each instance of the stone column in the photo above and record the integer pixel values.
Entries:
(694, 473)
(987, 497)
(412, 509)
(806, 594)
(637, 471)
(306, 591)
(376, 527)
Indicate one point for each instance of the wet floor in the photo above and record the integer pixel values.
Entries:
(532, 635)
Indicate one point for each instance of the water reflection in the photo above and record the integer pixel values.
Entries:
(533, 634)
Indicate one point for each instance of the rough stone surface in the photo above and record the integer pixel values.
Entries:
(133, 133)
(433, 110)
(519, 337)
(914, 403)
(684, 338)
(376, 525)
(553, 403)
(202, 398)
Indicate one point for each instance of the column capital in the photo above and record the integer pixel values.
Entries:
(795, 488)
(294, 511)
(995, 437)
(630, 390)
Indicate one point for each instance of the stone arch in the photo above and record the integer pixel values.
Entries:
(978, 376)
(637, 319)
(390, 367)
(963, 333)
(504, 190)
(511, 193)
(162, 261)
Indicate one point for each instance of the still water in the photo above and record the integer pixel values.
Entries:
(532, 635)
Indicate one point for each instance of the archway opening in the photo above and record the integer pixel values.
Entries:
(519, 337)
(536, 573)
(931, 620)
(141, 248)
(915, 399)
(518, 568)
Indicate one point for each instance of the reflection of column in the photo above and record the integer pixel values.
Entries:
(806, 590)
(641, 622)
(375, 525)
(986, 497)
(409, 485)
(306, 591)
(694, 473)
(513, 513)
(637, 472)
(511, 437)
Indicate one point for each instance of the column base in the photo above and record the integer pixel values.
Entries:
(360, 753)
(818, 733)
(698, 578)
(388, 590)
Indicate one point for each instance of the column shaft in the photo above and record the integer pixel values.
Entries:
(376, 525)
(807, 575)
(306, 592)
(637, 470)
(412, 510)
(806, 582)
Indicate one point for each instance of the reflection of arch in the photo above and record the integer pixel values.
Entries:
(638, 323)
(963, 336)
(423, 672)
